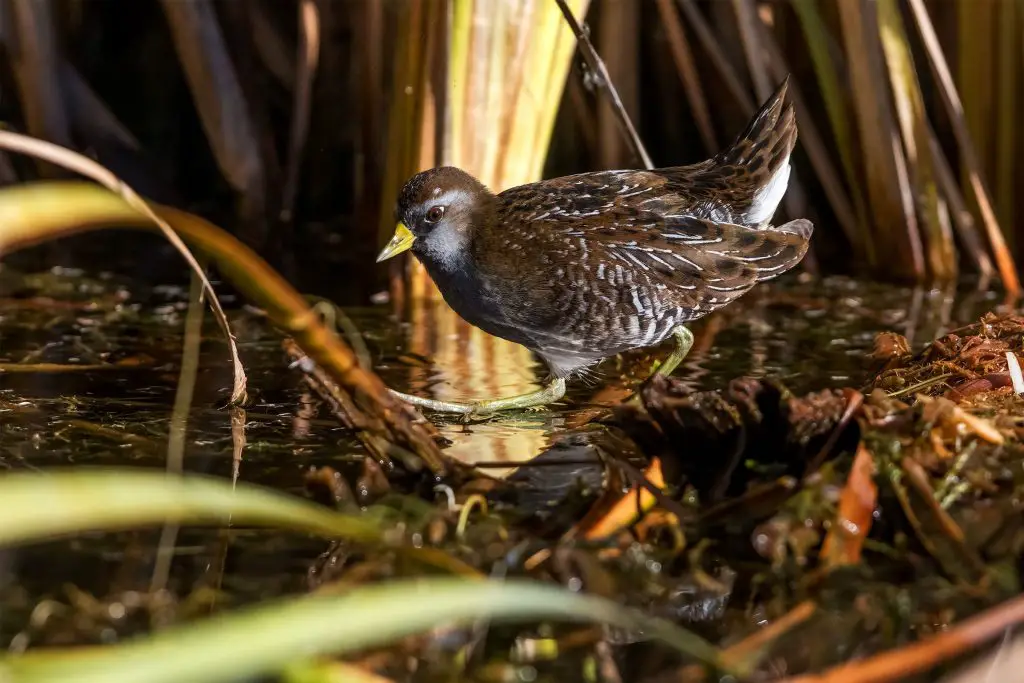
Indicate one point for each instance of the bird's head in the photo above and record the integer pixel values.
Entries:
(437, 213)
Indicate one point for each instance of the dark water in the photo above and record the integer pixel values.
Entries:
(811, 334)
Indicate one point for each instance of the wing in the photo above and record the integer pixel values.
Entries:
(706, 261)
(624, 277)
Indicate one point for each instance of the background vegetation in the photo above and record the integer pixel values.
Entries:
(294, 123)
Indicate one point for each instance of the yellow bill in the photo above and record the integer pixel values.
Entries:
(401, 241)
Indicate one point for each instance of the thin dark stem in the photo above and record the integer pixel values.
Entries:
(605, 83)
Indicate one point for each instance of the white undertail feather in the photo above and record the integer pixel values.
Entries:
(767, 199)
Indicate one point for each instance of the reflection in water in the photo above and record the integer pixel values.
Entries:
(467, 364)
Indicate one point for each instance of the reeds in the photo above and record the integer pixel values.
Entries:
(895, 161)
(908, 109)
(892, 163)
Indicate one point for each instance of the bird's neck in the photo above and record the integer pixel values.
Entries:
(451, 265)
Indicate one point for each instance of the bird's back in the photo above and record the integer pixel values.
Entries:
(742, 184)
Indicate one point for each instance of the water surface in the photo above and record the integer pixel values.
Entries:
(810, 334)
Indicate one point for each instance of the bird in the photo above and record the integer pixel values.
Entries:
(583, 267)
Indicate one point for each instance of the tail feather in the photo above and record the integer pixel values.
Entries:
(760, 156)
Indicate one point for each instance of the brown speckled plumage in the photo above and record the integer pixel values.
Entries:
(587, 266)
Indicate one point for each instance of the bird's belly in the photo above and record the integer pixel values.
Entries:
(599, 318)
(576, 349)
(569, 331)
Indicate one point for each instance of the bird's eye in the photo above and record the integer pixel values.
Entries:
(434, 214)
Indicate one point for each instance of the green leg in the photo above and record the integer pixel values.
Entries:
(552, 392)
(684, 340)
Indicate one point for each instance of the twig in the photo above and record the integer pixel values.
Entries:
(745, 654)
(605, 83)
(349, 414)
(927, 653)
(1004, 663)
(854, 401)
(73, 161)
(935, 528)
(47, 368)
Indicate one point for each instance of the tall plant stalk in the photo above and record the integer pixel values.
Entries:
(504, 67)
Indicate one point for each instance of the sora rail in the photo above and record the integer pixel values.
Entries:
(587, 266)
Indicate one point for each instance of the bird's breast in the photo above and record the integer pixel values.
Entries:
(476, 299)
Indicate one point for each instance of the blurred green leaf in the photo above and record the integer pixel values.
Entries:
(41, 506)
(271, 638)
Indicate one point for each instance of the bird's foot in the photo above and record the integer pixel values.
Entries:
(476, 409)
(684, 341)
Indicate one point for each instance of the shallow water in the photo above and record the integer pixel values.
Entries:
(810, 334)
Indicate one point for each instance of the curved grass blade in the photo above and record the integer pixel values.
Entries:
(41, 506)
(73, 161)
(267, 639)
(330, 672)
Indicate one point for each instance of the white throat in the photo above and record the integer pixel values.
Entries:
(446, 247)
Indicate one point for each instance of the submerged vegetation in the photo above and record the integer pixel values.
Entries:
(830, 490)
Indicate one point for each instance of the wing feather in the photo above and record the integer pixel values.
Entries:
(693, 263)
